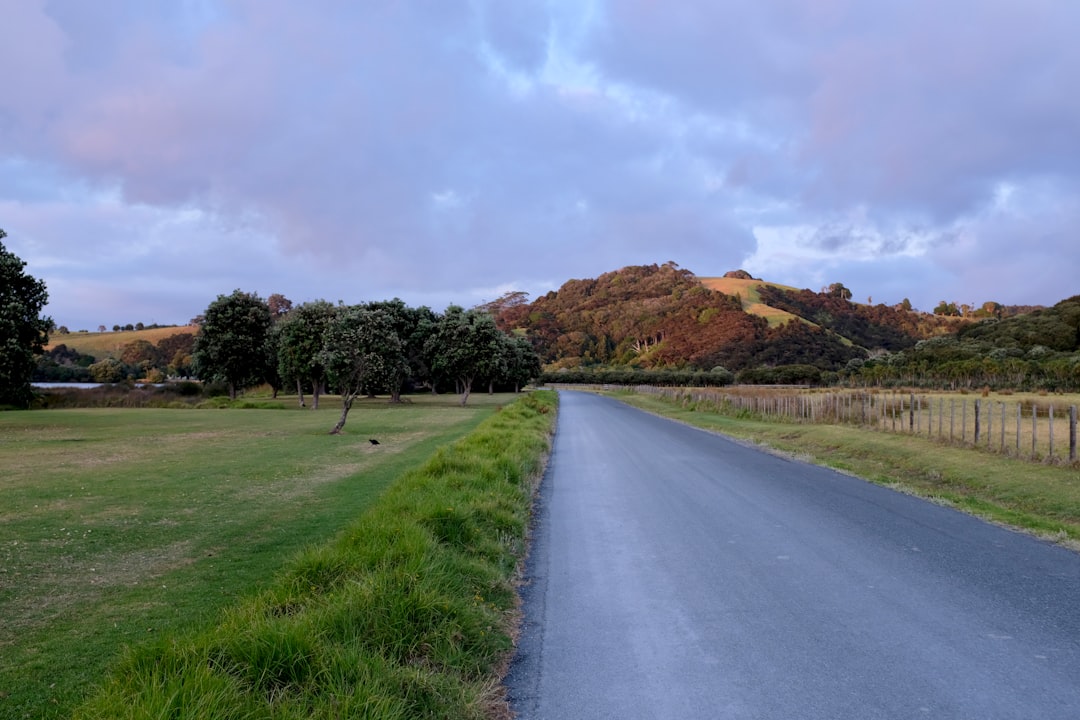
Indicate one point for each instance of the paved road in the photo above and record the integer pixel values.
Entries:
(677, 574)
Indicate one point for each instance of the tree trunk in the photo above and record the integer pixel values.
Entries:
(232, 391)
(466, 388)
(316, 387)
(346, 404)
(300, 391)
(491, 387)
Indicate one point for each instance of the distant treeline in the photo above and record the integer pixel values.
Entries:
(139, 359)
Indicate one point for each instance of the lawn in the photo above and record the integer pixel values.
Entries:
(121, 525)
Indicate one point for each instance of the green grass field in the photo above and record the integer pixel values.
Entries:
(121, 526)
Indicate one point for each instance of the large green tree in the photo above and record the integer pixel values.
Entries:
(360, 350)
(24, 331)
(300, 336)
(413, 327)
(232, 343)
(522, 362)
(465, 345)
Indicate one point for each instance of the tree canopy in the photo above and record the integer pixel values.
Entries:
(24, 331)
(300, 334)
(231, 346)
(465, 345)
(361, 349)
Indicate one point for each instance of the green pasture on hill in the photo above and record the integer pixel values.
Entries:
(120, 526)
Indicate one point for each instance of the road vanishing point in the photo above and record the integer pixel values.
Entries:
(676, 573)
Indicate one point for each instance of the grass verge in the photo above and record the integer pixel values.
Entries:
(408, 613)
(118, 526)
(1041, 499)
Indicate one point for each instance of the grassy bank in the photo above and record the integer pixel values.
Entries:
(119, 526)
(406, 614)
(1044, 499)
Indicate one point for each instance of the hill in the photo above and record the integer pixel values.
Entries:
(103, 345)
(664, 316)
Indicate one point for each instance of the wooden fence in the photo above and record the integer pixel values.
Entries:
(1034, 430)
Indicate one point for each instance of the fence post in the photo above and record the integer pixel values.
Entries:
(963, 420)
(989, 422)
(911, 414)
(952, 418)
(1072, 434)
(978, 406)
(940, 412)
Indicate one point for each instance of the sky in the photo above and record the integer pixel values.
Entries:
(155, 154)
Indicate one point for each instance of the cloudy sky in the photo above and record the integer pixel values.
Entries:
(157, 153)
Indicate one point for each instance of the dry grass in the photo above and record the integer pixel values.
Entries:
(109, 344)
(747, 290)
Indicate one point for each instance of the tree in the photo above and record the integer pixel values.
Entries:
(231, 343)
(361, 349)
(508, 309)
(300, 336)
(522, 362)
(108, 370)
(413, 326)
(175, 353)
(947, 308)
(464, 346)
(24, 332)
(838, 290)
(140, 351)
(279, 305)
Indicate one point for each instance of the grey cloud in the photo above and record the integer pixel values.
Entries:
(377, 146)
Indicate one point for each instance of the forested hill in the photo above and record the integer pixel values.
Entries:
(656, 316)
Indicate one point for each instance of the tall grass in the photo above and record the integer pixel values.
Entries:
(406, 614)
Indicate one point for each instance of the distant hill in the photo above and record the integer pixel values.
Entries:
(665, 316)
(109, 344)
(657, 316)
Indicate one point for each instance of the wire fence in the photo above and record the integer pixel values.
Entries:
(1036, 430)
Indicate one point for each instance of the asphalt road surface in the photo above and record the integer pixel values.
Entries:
(677, 574)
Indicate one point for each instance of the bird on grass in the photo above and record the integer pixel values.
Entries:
(373, 441)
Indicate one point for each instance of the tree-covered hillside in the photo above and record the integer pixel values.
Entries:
(662, 317)
(650, 316)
